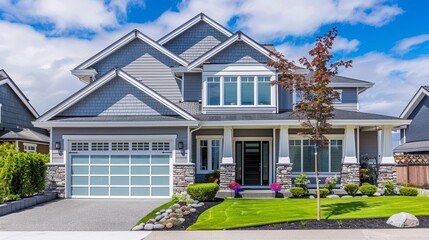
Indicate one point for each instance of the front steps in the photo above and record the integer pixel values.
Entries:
(251, 193)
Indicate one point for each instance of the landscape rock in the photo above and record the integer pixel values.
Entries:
(196, 202)
(332, 196)
(168, 211)
(377, 194)
(169, 225)
(364, 195)
(311, 197)
(403, 220)
(151, 221)
(176, 205)
(158, 213)
(178, 211)
(347, 196)
(165, 214)
(192, 210)
(201, 204)
(186, 213)
(181, 220)
(148, 226)
(158, 226)
(159, 217)
(195, 205)
(162, 211)
(138, 227)
(172, 215)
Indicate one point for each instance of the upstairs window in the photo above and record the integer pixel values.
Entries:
(247, 91)
(230, 90)
(264, 93)
(213, 91)
(298, 96)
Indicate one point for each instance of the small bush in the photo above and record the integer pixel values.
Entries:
(408, 191)
(368, 189)
(302, 181)
(297, 191)
(323, 192)
(389, 187)
(203, 191)
(351, 188)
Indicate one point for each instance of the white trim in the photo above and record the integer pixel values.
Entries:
(135, 34)
(374, 122)
(48, 125)
(20, 95)
(192, 22)
(85, 75)
(237, 36)
(118, 137)
(26, 145)
(100, 82)
(209, 139)
(421, 93)
(1, 112)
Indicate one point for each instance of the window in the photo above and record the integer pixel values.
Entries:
(340, 96)
(29, 147)
(100, 146)
(213, 91)
(120, 146)
(230, 90)
(298, 96)
(301, 153)
(247, 91)
(80, 146)
(209, 151)
(264, 93)
(160, 146)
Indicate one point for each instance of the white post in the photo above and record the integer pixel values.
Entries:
(350, 156)
(284, 145)
(386, 148)
(227, 145)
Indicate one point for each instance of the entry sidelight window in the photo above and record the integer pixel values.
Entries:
(208, 154)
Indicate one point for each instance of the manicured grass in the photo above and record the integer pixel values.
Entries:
(234, 213)
(152, 214)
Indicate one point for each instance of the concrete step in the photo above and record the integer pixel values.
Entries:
(250, 193)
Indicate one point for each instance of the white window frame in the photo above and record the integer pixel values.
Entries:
(340, 94)
(1, 109)
(209, 138)
(28, 145)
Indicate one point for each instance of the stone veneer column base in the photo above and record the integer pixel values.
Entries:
(350, 174)
(56, 178)
(227, 175)
(183, 175)
(284, 175)
(386, 172)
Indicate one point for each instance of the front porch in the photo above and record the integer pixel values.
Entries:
(259, 156)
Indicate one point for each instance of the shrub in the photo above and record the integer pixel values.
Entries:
(408, 191)
(389, 187)
(214, 177)
(330, 183)
(203, 191)
(368, 189)
(302, 181)
(323, 192)
(297, 191)
(351, 188)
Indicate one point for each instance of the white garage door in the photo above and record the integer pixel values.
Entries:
(120, 169)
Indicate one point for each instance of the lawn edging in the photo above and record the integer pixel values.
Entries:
(152, 214)
(14, 206)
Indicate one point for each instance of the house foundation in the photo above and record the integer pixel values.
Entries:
(350, 174)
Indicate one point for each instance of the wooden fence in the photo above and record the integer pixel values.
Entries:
(413, 170)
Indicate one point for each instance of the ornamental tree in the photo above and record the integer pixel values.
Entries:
(315, 107)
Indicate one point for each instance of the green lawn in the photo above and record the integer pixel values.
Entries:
(234, 213)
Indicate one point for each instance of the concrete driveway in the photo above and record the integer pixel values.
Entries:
(80, 215)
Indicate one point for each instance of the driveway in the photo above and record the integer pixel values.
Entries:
(80, 215)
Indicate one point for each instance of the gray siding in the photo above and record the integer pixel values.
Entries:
(253, 133)
(180, 132)
(239, 52)
(195, 41)
(117, 97)
(193, 87)
(368, 143)
(285, 99)
(418, 130)
(14, 113)
(146, 64)
(350, 95)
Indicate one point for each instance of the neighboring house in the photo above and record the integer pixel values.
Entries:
(415, 137)
(16, 115)
(156, 116)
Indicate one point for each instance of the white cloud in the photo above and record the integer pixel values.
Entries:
(406, 44)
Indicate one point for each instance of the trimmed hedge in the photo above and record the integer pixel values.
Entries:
(297, 191)
(203, 191)
(368, 189)
(389, 187)
(21, 173)
(323, 192)
(351, 188)
(408, 191)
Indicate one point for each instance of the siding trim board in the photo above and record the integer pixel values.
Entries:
(421, 93)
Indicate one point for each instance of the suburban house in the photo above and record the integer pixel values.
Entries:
(156, 116)
(415, 137)
(16, 115)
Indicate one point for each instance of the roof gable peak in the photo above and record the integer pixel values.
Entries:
(418, 97)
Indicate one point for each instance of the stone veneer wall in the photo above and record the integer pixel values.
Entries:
(56, 179)
(386, 172)
(183, 175)
(350, 174)
(284, 175)
(227, 175)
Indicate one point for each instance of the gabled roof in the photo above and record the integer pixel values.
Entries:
(5, 79)
(182, 28)
(103, 80)
(419, 146)
(238, 36)
(135, 34)
(24, 134)
(340, 81)
(421, 93)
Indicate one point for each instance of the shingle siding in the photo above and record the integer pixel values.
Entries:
(239, 52)
(193, 87)
(195, 41)
(14, 114)
(418, 130)
(146, 64)
(117, 97)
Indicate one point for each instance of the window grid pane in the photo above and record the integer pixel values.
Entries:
(230, 90)
(264, 91)
(247, 91)
(213, 91)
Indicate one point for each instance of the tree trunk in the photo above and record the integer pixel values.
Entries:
(317, 182)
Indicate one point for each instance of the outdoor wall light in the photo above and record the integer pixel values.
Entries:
(180, 145)
(57, 145)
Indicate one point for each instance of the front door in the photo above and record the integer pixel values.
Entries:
(252, 163)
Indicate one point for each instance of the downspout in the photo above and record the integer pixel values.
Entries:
(190, 141)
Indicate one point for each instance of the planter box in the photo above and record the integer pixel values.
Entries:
(15, 206)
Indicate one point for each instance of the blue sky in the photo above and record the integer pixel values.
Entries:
(388, 40)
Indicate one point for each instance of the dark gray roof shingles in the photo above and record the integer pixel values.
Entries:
(419, 146)
(23, 134)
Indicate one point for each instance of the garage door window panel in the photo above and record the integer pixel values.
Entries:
(140, 159)
(100, 159)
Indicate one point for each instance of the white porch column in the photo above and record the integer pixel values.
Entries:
(227, 145)
(386, 147)
(284, 145)
(350, 153)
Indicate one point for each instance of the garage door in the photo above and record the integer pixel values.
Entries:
(120, 169)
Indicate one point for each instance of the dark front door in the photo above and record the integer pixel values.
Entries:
(252, 163)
